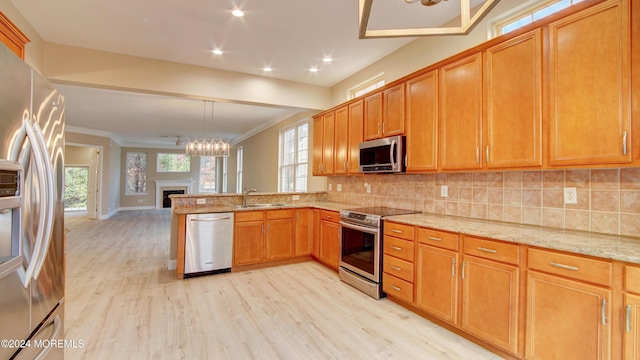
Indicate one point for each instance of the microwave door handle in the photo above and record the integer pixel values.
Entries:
(48, 207)
(392, 153)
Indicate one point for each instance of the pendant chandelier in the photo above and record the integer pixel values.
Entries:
(207, 146)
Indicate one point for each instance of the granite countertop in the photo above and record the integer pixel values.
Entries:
(324, 205)
(613, 247)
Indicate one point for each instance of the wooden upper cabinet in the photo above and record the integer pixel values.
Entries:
(12, 37)
(589, 92)
(328, 143)
(356, 118)
(341, 140)
(461, 114)
(422, 122)
(393, 111)
(373, 116)
(513, 80)
(318, 135)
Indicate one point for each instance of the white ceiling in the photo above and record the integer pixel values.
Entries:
(288, 35)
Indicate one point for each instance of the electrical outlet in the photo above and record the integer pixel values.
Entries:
(444, 191)
(295, 197)
(570, 195)
(339, 187)
(367, 186)
(201, 201)
(330, 187)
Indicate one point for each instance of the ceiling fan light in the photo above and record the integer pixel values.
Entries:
(429, 2)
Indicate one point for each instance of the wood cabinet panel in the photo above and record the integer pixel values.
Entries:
(396, 287)
(279, 239)
(329, 251)
(632, 278)
(461, 114)
(341, 140)
(422, 122)
(402, 249)
(513, 80)
(304, 232)
(373, 116)
(315, 233)
(241, 216)
(12, 37)
(438, 238)
(280, 214)
(331, 216)
(492, 250)
(436, 282)
(571, 266)
(328, 143)
(590, 103)
(248, 242)
(393, 111)
(401, 269)
(399, 230)
(356, 119)
(318, 136)
(565, 319)
(490, 304)
(632, 327)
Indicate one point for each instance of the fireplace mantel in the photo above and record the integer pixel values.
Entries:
(169, 185)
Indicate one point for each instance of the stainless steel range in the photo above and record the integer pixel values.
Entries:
(361, 247)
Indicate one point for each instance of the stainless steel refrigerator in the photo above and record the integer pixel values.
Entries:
(32, 274)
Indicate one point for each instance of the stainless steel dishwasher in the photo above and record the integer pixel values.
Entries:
(209, 244)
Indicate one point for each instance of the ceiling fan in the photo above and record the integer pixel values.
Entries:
(178, 140)
(423, 2)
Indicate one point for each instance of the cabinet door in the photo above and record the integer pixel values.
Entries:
(422, 122)
(356, 118)
(437, 283)
(632, 327)
(279, 239)
(490, 301)
(329, 244)
(567, 319)
(393, 111)
(328, 143)
(303, 232)
(461, 114)
(315, 234)
(341, 140)
(373, 116)
(513, 102)
(589, 89)
(247, 245)
(318, 145)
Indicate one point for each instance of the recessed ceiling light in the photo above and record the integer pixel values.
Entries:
(267, 69)
(217, 51)
(313, 69)
(327, 59)
(237, 13)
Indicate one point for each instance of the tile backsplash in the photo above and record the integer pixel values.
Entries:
(608, 200)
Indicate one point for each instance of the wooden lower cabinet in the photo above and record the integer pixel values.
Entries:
(329, 247)
(262, 236)
(631, 327)
(303, 236)
(279, 239)
(567, 319)
(247, 244)
(490, 301)
(436, 282)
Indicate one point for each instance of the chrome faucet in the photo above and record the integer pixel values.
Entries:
(245, 192)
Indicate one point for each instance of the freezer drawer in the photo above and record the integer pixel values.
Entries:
(209, 243)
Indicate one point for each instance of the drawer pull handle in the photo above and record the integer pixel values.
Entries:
(563, 266)
(434, 238)
(604, 311)
(395, 288)
(395, 268)
(397, 231)
(397, 248)
(492, 251)
(453, 267)
(624, 143)
(462, 271)
(329, 217)
(628, 319)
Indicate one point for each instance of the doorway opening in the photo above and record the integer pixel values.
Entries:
(76, 188)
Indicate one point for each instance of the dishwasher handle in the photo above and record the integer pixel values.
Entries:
(212, 219)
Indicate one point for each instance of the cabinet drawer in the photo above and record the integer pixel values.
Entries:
(397, 288)
(399, 248)
(437, 238)
(571, 266)
(399, 230)
(241, 216)
(329, 216)
(492, 250)
(398, 268)
(632, 278)
(280, 214)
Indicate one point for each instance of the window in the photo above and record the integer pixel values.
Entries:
(136, 173)
(294, 157)
(174, 163)
(239, 174)
(367, 86)
(224, 174)
(207, 174)
(528, 13)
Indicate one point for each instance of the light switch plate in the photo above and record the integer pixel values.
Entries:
(330, 187)
(570, 195)
(444, 191)
(295, 197)
(339, 187)
(201, 201)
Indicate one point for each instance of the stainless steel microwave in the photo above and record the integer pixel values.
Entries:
(383, 155)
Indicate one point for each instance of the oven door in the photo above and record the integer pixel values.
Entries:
(360, 250)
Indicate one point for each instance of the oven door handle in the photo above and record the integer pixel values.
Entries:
(359, 228)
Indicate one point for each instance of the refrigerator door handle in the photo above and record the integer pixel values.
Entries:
(28, 273)
(48, 207)
(54, 335)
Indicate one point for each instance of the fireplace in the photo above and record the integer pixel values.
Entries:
(164, 188)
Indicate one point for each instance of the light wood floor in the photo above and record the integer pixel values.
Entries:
(123, 303)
